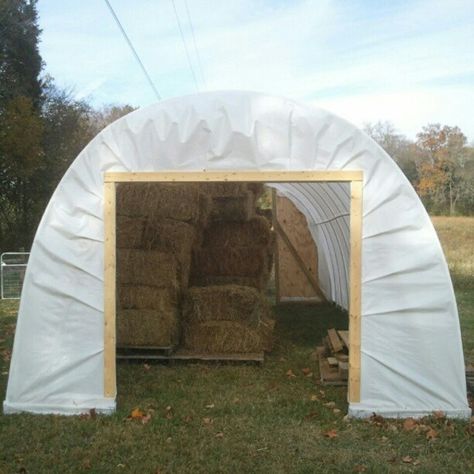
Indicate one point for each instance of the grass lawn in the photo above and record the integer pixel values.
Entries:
(244, 418)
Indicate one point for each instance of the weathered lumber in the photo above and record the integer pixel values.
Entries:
(334, 340)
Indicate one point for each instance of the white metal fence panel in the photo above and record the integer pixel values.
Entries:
(12, 273)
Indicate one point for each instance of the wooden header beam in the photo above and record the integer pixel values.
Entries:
(232, 176)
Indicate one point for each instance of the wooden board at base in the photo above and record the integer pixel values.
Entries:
(292, 281)
(329, 375)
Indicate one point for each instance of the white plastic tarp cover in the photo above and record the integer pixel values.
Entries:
(412, 360)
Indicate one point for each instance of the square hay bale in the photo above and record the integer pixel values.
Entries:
(230, 261)
(222, 337)
(256, 188)
(146, 297)
(225, 303)
(179, 201)
(175, 237)
(148, 328)
(233, 208)
(129, 233)
(147, 267)
(259, 282)
(252, 233)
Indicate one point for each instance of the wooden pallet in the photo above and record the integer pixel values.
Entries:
(144, 352)
(182, 354)
(333, 358)
(329, 375)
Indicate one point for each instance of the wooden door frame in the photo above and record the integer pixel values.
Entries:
(355, 178)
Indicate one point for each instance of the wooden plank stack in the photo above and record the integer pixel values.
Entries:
(333, 356)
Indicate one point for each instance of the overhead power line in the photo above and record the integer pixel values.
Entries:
(127, 39)
(201, 69)
(185, 45)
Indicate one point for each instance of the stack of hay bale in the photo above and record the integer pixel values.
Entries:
(226, 311)
(157, 227)
(193, 261)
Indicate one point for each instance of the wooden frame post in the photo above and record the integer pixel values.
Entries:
(110, 384)
(355, 178)
(355, 290)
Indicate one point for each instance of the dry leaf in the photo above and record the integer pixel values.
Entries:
(147, 366)
(86, 464)
(360, 468)
(314, 398)
(431, 434)
(330, 404)
(439, 415)
(330, 434)
(407, 459)
(93, 413)
(290, 373)
(207, 421)
(309, 375)
(220, 434)
(136, 414)
(168, 440)
(409, 424)
(306, 371)
(188, 419)
(236, 400)
(336, 411)
(211, 405)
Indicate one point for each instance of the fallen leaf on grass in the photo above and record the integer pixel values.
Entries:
(187, 419)
(211, 405)
(360, 468)
(314, 398)
(207, 421)
(431, 434)
(86, 464)
(220, 434)
(409, 424)
(330, 434)
(330, 404)
(336, 411)
(146, 418)
(93, 413)
(136, 414)
(147, 366)
(6, 355)
(311, 415)
(407, 459)
(290, 373)
(306, 371)
(377, 420)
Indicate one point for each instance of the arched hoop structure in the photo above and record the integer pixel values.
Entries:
(411, 352)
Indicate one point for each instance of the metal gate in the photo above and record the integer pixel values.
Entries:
(12, 273)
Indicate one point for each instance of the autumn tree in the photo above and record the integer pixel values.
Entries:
(443, 167)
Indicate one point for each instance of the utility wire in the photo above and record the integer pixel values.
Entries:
(185, 45)
(127, 39)
(201, 70)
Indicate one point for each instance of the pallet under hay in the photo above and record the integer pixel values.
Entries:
(333, 357)
(182, 354)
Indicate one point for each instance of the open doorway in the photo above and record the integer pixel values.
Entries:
(352, 177)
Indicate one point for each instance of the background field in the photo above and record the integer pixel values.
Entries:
(243, 418)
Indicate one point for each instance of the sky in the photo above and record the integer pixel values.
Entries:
(410, 62)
